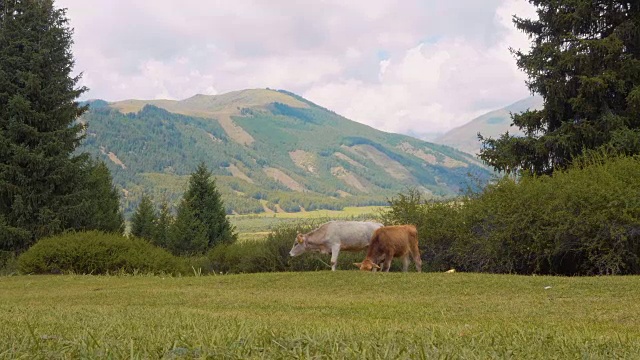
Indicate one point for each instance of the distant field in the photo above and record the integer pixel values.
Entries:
(256, 226)
(341, 315)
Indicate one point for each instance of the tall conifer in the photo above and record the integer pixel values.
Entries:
(144, 219)
(585, 62)
(202, 210)
(40, 177)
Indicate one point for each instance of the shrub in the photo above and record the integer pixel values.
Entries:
(581, 221)
(439, 226)
(95, 252)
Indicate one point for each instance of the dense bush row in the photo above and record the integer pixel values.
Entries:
(97, 253)
(100, 253)
(582, 221)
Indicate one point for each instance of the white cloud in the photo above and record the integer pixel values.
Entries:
(434, 87)
(418, 66)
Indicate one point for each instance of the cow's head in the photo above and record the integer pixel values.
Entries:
(367, 265)
(299, 246)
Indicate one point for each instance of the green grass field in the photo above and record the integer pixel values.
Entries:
(342, 315)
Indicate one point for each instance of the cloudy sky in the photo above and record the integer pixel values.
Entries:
(417, 67)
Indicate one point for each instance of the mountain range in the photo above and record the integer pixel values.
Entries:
(492, 124)
(269, 150)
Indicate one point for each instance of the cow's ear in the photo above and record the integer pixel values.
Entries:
(376, 266)
(357, 264)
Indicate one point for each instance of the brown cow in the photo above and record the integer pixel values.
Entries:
(392, 241)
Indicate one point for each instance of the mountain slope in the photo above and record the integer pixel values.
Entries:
(492, 124)
(270, 150)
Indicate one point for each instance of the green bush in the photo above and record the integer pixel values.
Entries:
(582, 221)
(439, 224)
(95, 252)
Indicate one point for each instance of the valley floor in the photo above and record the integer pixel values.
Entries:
(346, 314)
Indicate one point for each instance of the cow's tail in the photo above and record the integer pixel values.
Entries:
(415, 251)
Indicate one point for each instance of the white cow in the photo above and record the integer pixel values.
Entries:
(335, 236)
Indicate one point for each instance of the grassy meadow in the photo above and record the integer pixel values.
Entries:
(341, 315)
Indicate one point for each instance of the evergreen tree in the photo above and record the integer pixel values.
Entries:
(585, 62)
(40, 178)
(103, 200)
(162, 226)
(202, 206)
(188, 235)
(144, 219)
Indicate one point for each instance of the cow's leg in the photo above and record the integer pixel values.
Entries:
(335, 250)
(418, 263)
(415, 253)
(387, 262)
(405, 263)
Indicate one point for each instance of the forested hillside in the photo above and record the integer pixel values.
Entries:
(269, 150)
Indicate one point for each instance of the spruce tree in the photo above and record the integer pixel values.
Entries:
(144, 219)
(188, 235)
(162, 226)
(202, 207)
(585, 62)
(40, 177)
(102, 199)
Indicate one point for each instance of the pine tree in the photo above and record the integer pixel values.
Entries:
(144, 219)
(102, 200)
(202, 207)
(40, 177)
(162, 226)
(188, 235)
(585, 62)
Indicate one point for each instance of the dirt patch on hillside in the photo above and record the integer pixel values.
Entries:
(115, 160)
(304, 160)
(236, 172)
(214, 139)
(453, 163)
(112, 157)
(343, 194)
(285, 179)
(431, 158)
(344, 157)
(348, 178)
(392, 167)
(419, 153)
(234, 131)
(265, 207)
